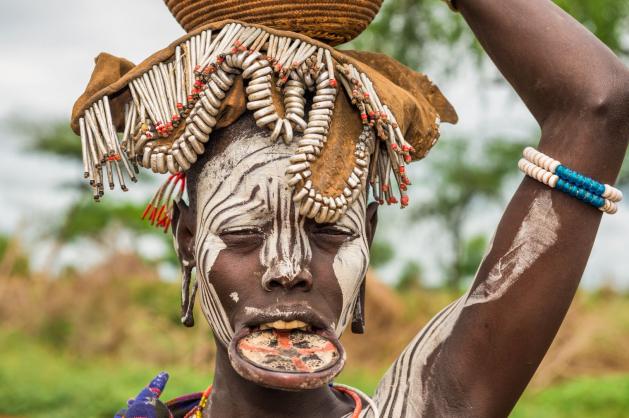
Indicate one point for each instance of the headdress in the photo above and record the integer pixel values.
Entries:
(345, 108)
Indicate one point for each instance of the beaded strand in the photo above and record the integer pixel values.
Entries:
(549, 164)
(554, 181)
(197, 412)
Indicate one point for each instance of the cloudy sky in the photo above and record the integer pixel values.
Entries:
(48, 50)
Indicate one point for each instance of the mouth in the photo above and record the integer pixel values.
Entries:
(288, 349)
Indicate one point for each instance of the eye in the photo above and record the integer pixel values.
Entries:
(242, 237)
(332, 234)
(241, 230)
(334, 230)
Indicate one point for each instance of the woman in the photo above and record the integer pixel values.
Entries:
(278, 286)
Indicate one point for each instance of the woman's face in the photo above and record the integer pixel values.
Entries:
(278, 289)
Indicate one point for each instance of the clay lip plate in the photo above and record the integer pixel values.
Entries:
(288, 351)
(287, 359)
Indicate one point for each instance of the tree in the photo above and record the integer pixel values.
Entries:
(84, 219)
(411, 30)
(462, 180)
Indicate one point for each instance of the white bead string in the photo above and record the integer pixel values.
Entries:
(549, 179)
(196, 80)
(542, 160)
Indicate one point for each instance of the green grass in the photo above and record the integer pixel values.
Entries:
(38, 382)
(606, 397)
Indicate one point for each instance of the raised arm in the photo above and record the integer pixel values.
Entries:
(477, 356)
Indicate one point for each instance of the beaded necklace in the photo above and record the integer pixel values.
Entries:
(197, 412)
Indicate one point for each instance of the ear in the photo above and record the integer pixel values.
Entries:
(371, 221)
(358, 319)
(183, 227)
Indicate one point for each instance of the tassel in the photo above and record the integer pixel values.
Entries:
(159, 210)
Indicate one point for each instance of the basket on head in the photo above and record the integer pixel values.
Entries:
(331, 21)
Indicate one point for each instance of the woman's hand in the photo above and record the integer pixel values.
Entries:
(146, 404)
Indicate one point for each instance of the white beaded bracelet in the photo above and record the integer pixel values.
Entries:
(541, 174)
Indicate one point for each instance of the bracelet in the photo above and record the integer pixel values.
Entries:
(552, 173)
(542, 160)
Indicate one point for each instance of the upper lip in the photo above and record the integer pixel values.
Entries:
(285, 313)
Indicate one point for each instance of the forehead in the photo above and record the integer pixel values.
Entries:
(248, 163)
(246, 178)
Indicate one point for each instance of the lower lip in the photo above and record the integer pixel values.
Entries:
(287, 360)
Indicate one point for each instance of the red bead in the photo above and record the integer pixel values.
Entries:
(363, 116)
(405, 200)
(408, 159)
(394, 147)
(392, 200)
(333, 82)
(402, 169)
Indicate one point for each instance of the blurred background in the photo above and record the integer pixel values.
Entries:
(89, 294)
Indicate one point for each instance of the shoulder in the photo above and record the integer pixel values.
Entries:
(183, 405)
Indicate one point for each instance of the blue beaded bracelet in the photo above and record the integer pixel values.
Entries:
(580, 193)
(555, 167)
(589, 192)
(580, 180)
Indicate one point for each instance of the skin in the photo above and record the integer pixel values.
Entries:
(255, 254)
(477, 356)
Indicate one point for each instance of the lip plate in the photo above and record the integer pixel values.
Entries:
(289, 381)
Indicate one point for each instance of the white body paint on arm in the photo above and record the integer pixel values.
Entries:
(536, 235)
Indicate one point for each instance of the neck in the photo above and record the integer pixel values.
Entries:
(233, 396)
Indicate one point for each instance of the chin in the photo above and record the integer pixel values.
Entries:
(287, 348)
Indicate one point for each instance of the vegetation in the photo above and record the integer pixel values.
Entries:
(80, 344)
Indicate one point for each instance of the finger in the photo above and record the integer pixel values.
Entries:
(155, 388)
(159, 383)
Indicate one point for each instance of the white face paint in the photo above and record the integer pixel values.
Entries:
(245, 187)
(536, 235)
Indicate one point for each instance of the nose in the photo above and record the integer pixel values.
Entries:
(300, 281)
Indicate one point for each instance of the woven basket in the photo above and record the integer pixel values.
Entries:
(330, 21)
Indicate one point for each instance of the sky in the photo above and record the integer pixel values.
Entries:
(48, 50)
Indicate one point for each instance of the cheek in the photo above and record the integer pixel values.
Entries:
(350, 266)
(236, 278)
(342, 273)
(225, 279)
